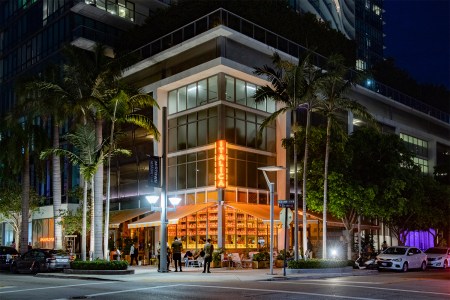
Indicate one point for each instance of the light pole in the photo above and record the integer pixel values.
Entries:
(271, 186)
(152, 199)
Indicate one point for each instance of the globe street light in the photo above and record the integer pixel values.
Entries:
(152, 199)
(271, 186)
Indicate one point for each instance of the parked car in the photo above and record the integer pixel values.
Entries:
(402, 258)
(41, 260)
(7, 255)
(438, 257)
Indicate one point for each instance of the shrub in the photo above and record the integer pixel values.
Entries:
(261, 256)
(280, 255)
(99, 264)
(317, 264)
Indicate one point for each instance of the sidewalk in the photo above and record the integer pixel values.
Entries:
(150, 273)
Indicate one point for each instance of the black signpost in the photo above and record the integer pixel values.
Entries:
(286, 204)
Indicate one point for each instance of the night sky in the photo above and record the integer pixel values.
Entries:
(418, 38)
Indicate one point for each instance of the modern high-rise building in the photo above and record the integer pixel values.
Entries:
(359, 20)
(32, 33)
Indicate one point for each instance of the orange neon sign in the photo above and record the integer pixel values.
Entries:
(221, 164)
(46, 239)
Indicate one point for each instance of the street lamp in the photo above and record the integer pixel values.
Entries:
(152, 199)
(271, 186)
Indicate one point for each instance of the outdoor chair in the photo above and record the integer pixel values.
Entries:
(236, 258)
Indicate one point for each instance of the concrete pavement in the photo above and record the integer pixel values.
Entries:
(144, 273)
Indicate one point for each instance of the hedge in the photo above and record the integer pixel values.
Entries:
(99, 264)
(314, 263)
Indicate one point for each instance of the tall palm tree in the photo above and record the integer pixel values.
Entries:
(124, 109)
(88, 156)
(332, 91)
(21, 139)
(46, 97)
(294, 88)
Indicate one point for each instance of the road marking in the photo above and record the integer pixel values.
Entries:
(374, 288)
(280, 292)
(130, 290)
(342, 281)
(53, 287)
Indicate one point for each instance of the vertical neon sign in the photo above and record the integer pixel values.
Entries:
(221, 164)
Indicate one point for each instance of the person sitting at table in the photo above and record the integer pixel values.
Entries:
(188, 256)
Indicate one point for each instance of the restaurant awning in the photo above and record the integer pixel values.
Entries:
(172, 216)
(119, 216)
(259, 211)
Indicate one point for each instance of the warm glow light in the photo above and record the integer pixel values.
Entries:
(221, 164)
(46, 239)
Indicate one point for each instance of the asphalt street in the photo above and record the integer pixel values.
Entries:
(222, 283)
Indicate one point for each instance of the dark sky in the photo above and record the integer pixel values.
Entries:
(418, 38)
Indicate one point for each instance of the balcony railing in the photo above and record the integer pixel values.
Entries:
(256, 32)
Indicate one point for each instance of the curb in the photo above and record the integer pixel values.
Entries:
(98, 272)
(320, 271)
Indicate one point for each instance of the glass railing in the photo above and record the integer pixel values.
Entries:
(250, 29)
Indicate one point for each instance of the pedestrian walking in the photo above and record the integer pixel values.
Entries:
(177, 247)
(133, 254)
(209, 249)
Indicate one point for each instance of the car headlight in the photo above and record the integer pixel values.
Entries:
(397, 259)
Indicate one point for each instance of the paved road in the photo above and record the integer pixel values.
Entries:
(229, 284)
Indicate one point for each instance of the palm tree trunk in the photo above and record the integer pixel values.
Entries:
(84, 221)
(305, 172)
(23, 243)
(98, 196)
(56, 186)
(92, 237)
(108, 185)
(325, 190)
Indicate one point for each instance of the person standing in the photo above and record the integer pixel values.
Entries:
(177, 247)
(384, 246)
(209, 249)
(158, 249)
(133, 254)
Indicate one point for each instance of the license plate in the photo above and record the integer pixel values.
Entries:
(62, 260)
(384, 264)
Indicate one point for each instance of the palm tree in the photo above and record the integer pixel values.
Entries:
(123, 111)
(294, 87)
(47, 98)
(332, 90)
(21, 140)
(88, 156)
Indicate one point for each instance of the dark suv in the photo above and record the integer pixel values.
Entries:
(7, 255)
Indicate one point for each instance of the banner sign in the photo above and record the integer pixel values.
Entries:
(154, 170)
(221, 164)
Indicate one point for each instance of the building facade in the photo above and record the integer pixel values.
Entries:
(206, 84)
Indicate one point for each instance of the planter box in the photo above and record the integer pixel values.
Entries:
(279, 263)
(216, 264)
(260, 264)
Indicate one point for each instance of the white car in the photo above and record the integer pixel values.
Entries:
(438, 257)
(402, 258)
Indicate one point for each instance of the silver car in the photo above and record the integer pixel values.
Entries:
(41, 260)
(402, 258)
(438, 257)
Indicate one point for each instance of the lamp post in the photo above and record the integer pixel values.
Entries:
(271, 186)
(152, 199)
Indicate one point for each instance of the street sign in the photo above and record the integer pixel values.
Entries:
(286, 216)
(154, 171)
(286, 203)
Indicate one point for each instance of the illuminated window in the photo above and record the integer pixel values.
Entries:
(419, 148)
